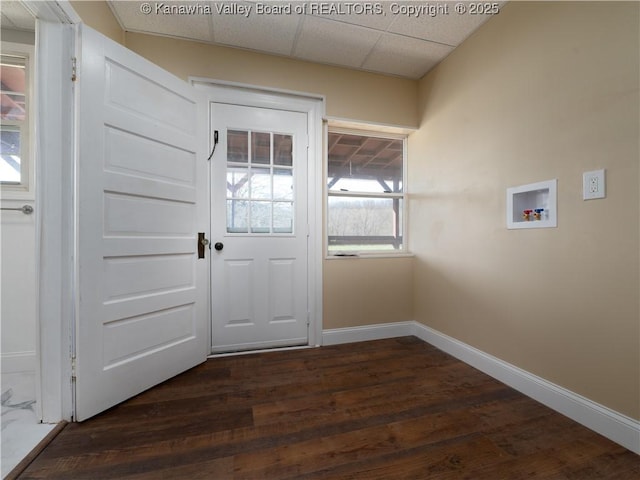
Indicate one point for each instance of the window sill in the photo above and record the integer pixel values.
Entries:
(369, 255)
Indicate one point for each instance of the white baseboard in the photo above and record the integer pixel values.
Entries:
(16, 362)
(337, 336)
(609, 423)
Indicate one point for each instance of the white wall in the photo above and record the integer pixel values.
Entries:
(17, 263)
(18, 312)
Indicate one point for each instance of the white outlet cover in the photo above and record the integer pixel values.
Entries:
(593, 185)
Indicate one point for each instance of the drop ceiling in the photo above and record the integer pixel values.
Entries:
(388, 40)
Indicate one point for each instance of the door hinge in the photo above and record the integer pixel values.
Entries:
(308, 318)
(74, 69)
(73, 369)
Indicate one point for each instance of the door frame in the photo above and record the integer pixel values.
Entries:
(313, 105)
(54, 210)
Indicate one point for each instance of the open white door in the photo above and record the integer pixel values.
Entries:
(142, 291)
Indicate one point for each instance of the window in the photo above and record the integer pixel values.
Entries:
(260, 171)
(366, 200)
(14, 171)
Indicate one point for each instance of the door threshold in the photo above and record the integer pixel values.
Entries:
(37, 450)
(259, 350)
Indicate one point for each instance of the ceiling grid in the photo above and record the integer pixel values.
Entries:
(391, 38)
(403, 39)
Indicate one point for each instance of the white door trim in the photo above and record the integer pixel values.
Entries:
(313, 106)
(54, 213)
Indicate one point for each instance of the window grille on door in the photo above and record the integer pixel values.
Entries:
(260, 188)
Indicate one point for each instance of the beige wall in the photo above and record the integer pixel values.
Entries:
(18, 36)
(367, 291)
(99, 16)
(349, 94)
(544, 90)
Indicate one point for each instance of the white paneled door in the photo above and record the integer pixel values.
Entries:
(259, 228)
(142, 294)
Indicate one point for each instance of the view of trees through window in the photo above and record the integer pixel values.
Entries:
(260, 194)
(365, 182)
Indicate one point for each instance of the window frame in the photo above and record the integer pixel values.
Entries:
(24, 190)
(403, 196)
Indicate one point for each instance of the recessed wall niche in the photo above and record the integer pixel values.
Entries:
(533, 205)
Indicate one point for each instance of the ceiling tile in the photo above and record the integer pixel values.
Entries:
(164, 20)
(388, 42)
(337, 43)
(450, 29)
(405, 56)
(265, 33)
(354, 13)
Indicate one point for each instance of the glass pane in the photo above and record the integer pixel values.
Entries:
(359, 163)
(283, 217)
(283, 150)
(10, 167)
(13, 81)
(237, 216)
(261, 148)
(362, 224)
(261, 183)
(260, 217)
(282, 184)
(237, 146)
(238, 182)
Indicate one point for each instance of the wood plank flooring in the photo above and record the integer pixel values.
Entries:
(387, 409)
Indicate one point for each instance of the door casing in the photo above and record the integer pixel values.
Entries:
(54, 155)
(313, 106)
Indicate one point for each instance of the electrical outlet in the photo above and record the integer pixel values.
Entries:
(593, 185)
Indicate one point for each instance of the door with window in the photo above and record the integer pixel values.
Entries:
(258, 228)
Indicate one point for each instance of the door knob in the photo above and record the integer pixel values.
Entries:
(218, 246)
(202, 242)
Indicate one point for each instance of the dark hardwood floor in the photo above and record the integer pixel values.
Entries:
(388, 409)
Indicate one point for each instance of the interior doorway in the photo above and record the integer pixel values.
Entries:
(266, 216)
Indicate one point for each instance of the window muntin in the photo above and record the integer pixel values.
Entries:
(260, 193)
(365, 183)
(13, 120)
